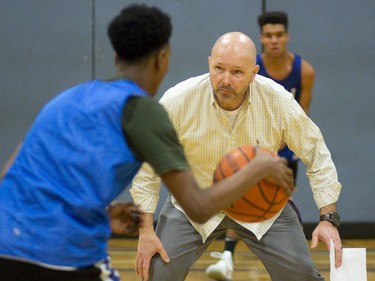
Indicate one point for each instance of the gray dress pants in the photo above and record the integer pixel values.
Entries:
(283, 250)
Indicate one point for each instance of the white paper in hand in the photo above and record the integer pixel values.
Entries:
(353, 265)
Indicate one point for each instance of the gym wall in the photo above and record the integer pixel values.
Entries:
(49, 45)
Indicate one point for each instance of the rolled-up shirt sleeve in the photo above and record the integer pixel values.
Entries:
(145, 189)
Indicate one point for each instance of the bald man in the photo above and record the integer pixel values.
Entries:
(214, 113)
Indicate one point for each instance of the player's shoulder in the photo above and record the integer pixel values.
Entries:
(307, 68)
(144, 106)
(268, 88)
(265, 83)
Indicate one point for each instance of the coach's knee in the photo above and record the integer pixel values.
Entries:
(171, 271)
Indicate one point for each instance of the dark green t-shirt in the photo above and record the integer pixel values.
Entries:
(151, 135)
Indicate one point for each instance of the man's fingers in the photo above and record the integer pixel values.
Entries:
(338, 257)
(145, 269)
(338, 253)
(137, 265)
(164, 255)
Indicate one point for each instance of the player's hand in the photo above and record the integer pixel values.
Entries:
(148, 245)
(126, 218)
(279, 172)
(325, 232)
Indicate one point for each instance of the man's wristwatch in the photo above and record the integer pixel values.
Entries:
(332, 217)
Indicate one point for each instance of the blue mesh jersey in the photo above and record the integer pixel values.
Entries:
(53, 209)
(291, 83)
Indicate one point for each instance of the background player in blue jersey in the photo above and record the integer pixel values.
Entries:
(297, 76)
(284, 67)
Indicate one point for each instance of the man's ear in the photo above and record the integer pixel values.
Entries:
(256, 69)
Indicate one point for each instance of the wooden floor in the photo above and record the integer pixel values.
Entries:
(247, 266)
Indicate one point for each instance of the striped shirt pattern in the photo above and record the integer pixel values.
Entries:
(269, 115)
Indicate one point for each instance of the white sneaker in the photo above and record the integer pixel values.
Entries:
(223, 269)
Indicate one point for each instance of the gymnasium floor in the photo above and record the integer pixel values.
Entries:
(247, 267)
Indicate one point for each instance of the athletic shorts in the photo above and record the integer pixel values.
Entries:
(17, 270)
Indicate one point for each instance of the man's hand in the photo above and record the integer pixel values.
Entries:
(325, 232)
(148, 245)
(126, 218)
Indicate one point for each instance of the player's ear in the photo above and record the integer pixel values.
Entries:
(116, 59)
(261, 38)
(162, 58)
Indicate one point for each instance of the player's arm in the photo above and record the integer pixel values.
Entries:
(307, 83)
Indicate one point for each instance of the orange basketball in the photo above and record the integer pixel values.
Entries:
(261, 201)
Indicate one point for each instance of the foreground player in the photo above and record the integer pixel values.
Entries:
(297, 76)
(214, 113)
(83, 150)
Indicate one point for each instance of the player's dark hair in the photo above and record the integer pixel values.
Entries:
(138, 31)
(276, 17)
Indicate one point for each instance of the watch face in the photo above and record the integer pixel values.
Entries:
(332, 217)
(336, 219)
